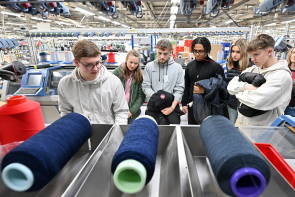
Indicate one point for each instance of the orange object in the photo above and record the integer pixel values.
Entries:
(20, 119)
(179, 49)
(188, 43)
(278, 162)
(111, 57)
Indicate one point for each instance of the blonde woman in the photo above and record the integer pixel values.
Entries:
(290, 110)
(130, 75)
(238, 61)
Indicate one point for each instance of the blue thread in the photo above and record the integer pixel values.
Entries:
(47, 152)
(228, 151)
(140, 143)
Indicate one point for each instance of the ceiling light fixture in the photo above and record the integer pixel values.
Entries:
(125, 26)
(62, 23)
(40, 19)
(85, 12)
(174, 9)
(172, 17)
(290, 21)
(104, 18)
(228, 22)
(175, 2)
(10, 14)
(271, 24)
(116, 23)
(16, 24)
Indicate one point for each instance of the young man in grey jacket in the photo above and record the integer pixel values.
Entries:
(265, 102)
(164, 74)
(91, 90)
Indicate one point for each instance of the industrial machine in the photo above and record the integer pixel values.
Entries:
(182, 168)
(38, 83)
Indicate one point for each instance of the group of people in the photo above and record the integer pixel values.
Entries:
(252, 88)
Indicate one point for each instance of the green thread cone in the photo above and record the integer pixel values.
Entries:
(130, 176)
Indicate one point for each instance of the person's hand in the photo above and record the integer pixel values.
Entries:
(249, 87)
(129, 114)
(167, 111)
(198, 89)
(185, 109)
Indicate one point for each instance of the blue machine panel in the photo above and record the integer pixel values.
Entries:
(35, 82)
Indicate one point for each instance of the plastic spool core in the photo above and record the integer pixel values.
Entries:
(247, 182)
(17, 177)
(130, 176)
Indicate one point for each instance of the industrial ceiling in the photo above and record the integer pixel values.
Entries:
(155, 14)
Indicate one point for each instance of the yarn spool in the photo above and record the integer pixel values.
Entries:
(43, 57)
(68, 57)
(54, 57)
(111, 58)
(20, 119)
(133, 164)
(239, 168)
(32, 164)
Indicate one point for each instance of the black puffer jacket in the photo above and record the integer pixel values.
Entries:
(159, 101)
(256, 80)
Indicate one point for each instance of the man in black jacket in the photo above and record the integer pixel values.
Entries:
(201, 68)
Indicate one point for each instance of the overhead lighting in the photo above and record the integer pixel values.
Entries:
(172, 17)
(40, 19)
(175, 2)
(228, 22)
(103, 18)
(116, 23)
(62, 23)
(271, 24)
(11, 14)
(171, 25)
(85, 12)
(16, 24)
(290, 21)
(125, 26)
(174, 9)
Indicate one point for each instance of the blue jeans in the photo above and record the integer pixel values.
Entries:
(290, 111)
(232, 114)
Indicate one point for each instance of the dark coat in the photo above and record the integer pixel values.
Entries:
(214, 99)
(159, 101)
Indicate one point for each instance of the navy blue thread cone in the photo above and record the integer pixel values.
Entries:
(228, 151)
(48, 151)
(140, 143)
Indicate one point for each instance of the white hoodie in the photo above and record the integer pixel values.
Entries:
(273, 96)
(102, 100)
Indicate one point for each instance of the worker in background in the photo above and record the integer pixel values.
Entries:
(91, 90)
(130, 75)
(164, 74)
(264, 90)
(201, 68)
(290, 110)
(238, 61)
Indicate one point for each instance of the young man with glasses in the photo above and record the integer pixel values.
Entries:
(203, 67)
(164, 74)
(262, 102)
(91, 89)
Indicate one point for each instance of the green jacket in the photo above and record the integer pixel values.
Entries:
(136, 94)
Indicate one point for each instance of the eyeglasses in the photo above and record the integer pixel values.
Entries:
(200, 52)
(91, 66)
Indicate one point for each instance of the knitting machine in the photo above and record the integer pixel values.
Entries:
(182, 167)
(40, 84)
